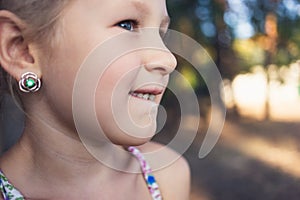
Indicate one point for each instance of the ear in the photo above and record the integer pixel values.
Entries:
(16, 56)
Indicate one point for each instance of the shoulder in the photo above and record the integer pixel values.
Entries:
(170, 169)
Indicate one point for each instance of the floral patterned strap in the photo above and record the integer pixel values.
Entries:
(147, 172)
(8, 191)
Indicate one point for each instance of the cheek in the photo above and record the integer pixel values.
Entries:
(112, 93)
(58, 82)
(114, 104)
(117, 80)
(57, 87)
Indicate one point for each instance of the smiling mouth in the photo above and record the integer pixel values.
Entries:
(149, 97)
(146, 94)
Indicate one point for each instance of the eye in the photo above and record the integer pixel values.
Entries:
(129, 25)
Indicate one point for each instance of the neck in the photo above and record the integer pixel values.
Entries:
(54, 158)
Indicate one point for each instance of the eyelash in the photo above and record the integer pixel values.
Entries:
(134, 24)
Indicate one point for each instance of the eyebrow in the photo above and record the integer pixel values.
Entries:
(144, 10)
(140, 6)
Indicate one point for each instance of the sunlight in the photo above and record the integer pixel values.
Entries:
(250, 92)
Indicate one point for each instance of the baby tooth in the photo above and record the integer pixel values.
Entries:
(146, 96)
(152, 97)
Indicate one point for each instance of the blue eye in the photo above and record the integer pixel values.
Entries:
(128, 24)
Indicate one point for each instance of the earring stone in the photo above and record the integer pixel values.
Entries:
(29, 82)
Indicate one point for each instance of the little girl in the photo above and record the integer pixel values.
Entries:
(43, 45)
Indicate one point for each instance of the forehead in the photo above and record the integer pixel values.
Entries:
(145, 6)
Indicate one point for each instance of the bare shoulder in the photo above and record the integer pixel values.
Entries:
(170, 169)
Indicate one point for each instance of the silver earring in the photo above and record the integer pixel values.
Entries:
(29, 82)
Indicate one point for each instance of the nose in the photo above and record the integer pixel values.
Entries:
(160, 60)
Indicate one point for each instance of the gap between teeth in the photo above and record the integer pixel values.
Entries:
(150, 97)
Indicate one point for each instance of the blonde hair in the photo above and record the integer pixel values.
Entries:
(41, 17)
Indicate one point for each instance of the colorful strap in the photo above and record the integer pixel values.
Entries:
(147, 172)
(9, 192)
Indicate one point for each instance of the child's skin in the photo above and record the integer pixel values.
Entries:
(49, 161)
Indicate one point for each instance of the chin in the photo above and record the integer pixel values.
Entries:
(124, 139)
(130, 142)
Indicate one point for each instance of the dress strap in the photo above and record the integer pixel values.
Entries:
(9, 192)
(147, 172)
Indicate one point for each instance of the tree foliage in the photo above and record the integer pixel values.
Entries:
(241, 33)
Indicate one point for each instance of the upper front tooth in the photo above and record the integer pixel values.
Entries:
(152, 97)
(140, 95)
(146, 96)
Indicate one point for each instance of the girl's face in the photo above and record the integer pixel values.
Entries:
(131, 87)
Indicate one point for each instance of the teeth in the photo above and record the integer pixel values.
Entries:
(150, 97)
(146, 96)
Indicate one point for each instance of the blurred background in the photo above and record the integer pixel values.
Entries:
(256, 47)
